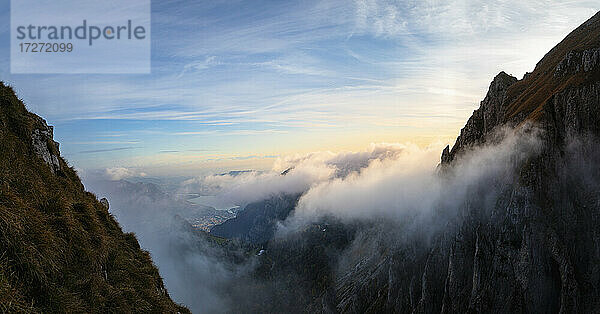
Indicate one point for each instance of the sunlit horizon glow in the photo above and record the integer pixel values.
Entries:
(235, 85)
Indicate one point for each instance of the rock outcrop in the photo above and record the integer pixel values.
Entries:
(105, 203)
(42, 139)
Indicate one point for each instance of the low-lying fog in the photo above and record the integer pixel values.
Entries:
(393, 182)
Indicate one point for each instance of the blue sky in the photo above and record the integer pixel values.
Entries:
(235, 84)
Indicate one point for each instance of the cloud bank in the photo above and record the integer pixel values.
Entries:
(410, 189)
(411, 186)
(384, 181)
(293, 174)
(397, 184)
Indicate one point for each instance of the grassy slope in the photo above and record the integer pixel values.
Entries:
(60, 249)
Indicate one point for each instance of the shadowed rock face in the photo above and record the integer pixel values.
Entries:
(538, 250)
(490, 114)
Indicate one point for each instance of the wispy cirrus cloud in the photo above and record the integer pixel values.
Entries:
(106, 150)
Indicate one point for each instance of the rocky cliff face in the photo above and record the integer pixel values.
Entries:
(537, 251)
(484, 120)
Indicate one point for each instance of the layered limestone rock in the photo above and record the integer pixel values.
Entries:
(578, 61)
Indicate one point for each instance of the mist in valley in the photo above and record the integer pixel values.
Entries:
(385, 197)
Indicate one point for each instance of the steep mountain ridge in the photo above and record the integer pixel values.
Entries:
(536, 250)
(60, 249)
(559, 94)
